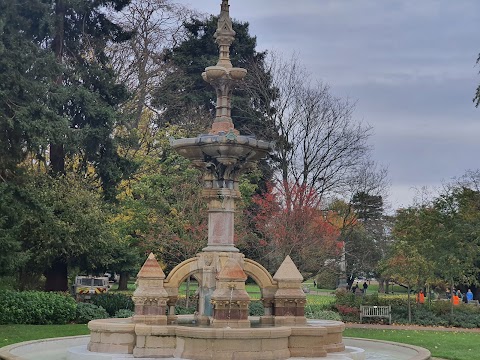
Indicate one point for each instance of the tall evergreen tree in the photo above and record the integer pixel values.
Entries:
(184, 91)
(59, 97)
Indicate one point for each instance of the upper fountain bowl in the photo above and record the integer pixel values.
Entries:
(222, 146)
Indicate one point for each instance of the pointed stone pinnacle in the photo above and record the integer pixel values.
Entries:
(232, 271)
(151, 269)
(288, 272)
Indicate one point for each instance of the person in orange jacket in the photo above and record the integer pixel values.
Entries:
(420, 297)
(455, 299)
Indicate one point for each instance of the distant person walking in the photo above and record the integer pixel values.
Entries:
(469, 295)
(354, 288)
(365, 287)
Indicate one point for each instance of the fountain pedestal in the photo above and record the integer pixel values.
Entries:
(230, 299)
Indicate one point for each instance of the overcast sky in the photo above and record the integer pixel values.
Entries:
(409, 65)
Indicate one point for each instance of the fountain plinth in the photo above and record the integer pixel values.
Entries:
(150, 296)
(289, 300)
(230, 299)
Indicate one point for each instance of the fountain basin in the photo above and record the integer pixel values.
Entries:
(225, 146)
(123, 336)
(75, 348)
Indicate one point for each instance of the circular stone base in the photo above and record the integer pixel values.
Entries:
(75, 348)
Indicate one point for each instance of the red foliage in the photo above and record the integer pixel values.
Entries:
(294, 223)
(347, 310)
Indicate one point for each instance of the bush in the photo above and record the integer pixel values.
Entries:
(324, 315)
(422, 315)
(327, 279)
(255, 308)
(124, 313)
(182, 310)
(36, 308)
(112, 302)
(87, 312)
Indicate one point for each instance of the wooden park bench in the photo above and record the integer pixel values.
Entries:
(473, 302)
(376, 312)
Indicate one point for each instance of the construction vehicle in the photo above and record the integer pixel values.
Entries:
(87, 286)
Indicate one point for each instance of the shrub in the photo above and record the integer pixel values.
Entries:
(327, 279)
(87, 312)
(182, 310)
(422, 315)
(324, 315)
(124, 313)
(255, 308)
(321, 302)
(36, 308)
(112, 302)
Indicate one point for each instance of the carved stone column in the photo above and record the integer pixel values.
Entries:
(289, 299)
(150, 297)
(230, 299)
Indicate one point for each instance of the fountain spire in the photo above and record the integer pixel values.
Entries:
(224, 35)
(223, 76)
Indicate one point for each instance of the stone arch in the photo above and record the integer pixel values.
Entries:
(180, 272)
(178, 275)
(262, 277)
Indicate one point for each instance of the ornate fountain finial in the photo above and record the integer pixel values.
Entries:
(223, 76)
(224, 35)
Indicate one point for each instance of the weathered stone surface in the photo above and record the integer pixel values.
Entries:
(151, 269)
(288, 272)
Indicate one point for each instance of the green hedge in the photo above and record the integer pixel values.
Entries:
(36, 308)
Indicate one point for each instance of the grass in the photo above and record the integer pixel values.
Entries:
(456, 345)
(11, 334)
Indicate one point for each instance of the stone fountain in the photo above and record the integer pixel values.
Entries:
(223, 329)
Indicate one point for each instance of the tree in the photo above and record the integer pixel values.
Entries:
(57, 223)
(445, 231)
(183, 91)
(60, 99)
(407, 266)
(370, 213)
(476, 98)
(160, 207)
(27, 119)
(320, 145)
(156, 27)
(300, 231)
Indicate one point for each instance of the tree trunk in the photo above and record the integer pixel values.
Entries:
(381, 286)
(409, 305)
(57, 151)
(451, 298)
(187, 293)
(123, 281)
(57, 277)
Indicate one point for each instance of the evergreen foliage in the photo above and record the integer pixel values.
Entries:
(184, 88)
(36, 307)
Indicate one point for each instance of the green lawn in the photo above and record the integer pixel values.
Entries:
(456, 345)
(11, 334)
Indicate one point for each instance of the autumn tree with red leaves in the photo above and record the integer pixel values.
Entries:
(298, 228)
